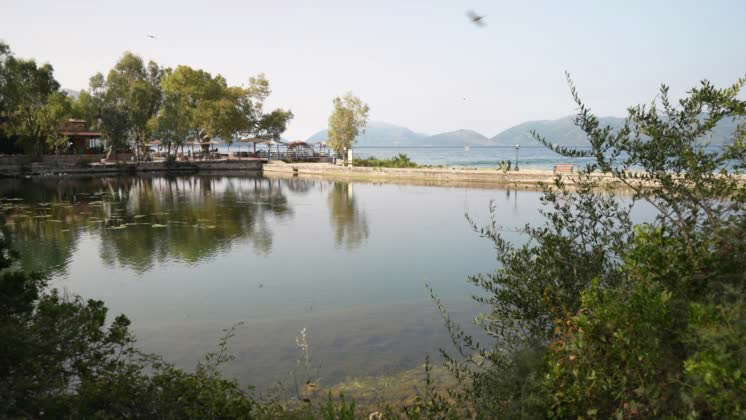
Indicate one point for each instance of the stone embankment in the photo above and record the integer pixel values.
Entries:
(428, 175)
(20, 165)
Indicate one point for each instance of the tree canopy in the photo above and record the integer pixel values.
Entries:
(132, 104)
(349, 118)
(32, 107)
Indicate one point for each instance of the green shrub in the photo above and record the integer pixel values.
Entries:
(399, 161)
(715, 373)
(617, 356)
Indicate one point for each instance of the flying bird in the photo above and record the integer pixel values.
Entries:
(475, 18)
(151, 36)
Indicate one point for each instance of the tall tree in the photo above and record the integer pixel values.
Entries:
(31, 105)
(272, 125)
(135, 89)
(105, 110)
(349, 118)
(121, 104)
(200, 106)
(172, 123)
(203, 98)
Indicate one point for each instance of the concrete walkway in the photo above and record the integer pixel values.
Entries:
(434, 175)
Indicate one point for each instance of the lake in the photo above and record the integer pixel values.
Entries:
(188, 256)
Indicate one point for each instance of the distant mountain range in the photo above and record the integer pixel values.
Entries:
(561, 131)
(379, 134)
(456, 138)
(387, 135)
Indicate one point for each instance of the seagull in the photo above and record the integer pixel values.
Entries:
(475, 18)
(151, 36)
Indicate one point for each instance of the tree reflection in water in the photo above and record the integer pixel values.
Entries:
(349, 222)
(141, 221)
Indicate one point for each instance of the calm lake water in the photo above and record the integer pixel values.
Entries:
(535, 157)
(188, 256)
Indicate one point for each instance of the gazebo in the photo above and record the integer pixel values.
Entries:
(276, 143)
(253, 140)
(268, 142)
(321, 146)
(300, 149)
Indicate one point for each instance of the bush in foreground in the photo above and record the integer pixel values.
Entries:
(624, 319)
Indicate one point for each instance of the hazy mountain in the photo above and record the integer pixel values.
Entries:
(723, 132)
(379, 134)
(456, 138)
(561, 131)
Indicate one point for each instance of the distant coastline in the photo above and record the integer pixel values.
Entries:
(559, 131)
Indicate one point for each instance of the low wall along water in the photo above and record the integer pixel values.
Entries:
(22, 165)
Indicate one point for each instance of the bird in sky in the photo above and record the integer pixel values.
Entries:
(475, 18)
(151, 36)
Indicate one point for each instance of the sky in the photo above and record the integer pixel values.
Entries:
(419, 64)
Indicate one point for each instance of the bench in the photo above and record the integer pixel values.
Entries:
(564, 168)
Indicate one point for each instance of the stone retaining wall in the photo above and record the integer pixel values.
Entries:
(445, 175)
(91, 164)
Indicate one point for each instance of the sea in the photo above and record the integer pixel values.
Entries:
(534, 157)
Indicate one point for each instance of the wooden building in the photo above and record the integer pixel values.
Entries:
(81, 138)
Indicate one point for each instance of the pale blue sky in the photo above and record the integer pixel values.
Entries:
(420, 64)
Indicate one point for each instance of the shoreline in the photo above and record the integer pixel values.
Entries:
(450, 176)
(20, 168)
(447, 176)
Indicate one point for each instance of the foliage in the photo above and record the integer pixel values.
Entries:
(349, 118)
(132, 103)
(626, 320)
(121, 104)
(31, 104)
(399, 161)
(200, 106)
(272, 125)
(715, 370)
(617, 357)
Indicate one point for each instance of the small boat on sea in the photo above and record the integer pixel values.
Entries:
(466, 148)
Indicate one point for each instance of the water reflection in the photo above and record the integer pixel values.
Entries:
(141, 221)
(349, 221)
(185, 257)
